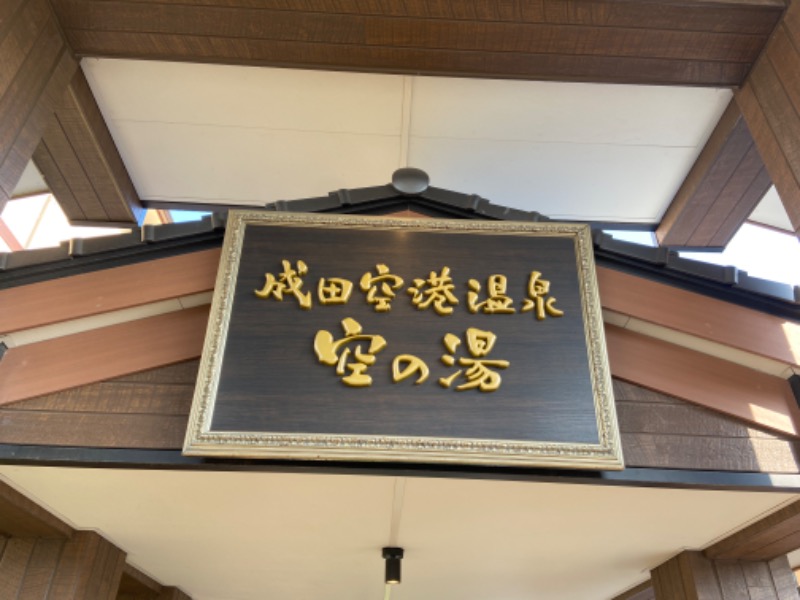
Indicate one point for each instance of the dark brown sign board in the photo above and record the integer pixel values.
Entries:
(405, 340)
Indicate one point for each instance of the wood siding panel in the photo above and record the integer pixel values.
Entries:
(101, 353)
(80, 162)
(743, 393)
(658, 431)
(701, 316)
(111, 289)
(90, 567)
(725, 184)
(39, 573)
(14, 564)
(691, 576)
(712, 44)
(92, 431)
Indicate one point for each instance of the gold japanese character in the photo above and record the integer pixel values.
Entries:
(327, 350)
(412, 365)
(436, 290)
(290, 281)
(537, 290)
(380, 288)
(478, 374)
(334, 290)
(497, 302)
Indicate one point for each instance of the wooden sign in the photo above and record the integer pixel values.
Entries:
(406, 340)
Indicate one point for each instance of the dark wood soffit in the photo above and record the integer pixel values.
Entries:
(723, 187)
(770, 103)
(772, 536)
(81, 164)
(665, 42)
(37, 65)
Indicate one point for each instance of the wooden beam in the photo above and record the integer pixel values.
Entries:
(81, 164)
(21, 517)
(98, 292)
(37, 65)
(101, 354)
(669, 42)
(701, 316)
(770, 103)
(705, 380)
(773, 536)
(725, 184)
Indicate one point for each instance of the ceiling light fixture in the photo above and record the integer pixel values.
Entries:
(393, 557)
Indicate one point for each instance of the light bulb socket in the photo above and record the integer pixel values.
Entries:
(393, 558)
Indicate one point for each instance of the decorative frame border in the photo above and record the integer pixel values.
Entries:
(202, 441)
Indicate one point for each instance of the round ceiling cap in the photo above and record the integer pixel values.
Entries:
(410, 181)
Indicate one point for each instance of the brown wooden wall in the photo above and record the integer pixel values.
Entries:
(690, 576)
(150, 410)
(86, 566)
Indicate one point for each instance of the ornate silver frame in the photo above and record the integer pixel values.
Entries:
(202, 441)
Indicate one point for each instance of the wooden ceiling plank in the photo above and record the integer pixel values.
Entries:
(719, 185)
(772, 528)
(750, 16)
(530, 38)
(85, 156)
(634, 42)
(753, 18)
(507, 65)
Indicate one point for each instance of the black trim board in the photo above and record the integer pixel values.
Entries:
(101, 458)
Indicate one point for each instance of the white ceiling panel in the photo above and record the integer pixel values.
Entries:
(570, 181)
(250, 97)
(229, 165)
(248, 536)
(247, 135)
(578, 113)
